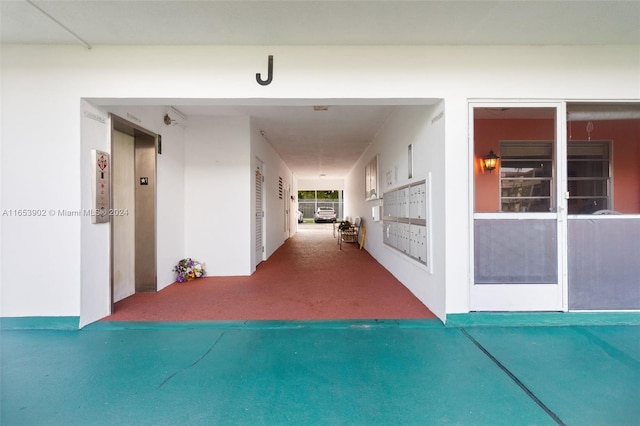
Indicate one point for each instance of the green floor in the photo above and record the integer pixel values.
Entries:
(355, 373)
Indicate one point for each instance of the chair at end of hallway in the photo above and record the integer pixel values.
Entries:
(349, 232)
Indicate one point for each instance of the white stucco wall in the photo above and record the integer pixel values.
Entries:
(43, 159)
(217, 204)
(273, 169)
(95, 244)
(170, 192)
(423, 127)
(170, 218)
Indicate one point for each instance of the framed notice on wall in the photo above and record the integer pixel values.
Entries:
(371, 179)
(100, 190)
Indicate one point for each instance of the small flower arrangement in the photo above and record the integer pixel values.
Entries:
(189, 269)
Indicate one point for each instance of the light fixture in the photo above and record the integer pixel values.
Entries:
(490, 161)
(173, 117)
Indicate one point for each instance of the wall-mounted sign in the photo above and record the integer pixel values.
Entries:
(95, 117)
(265, 82)
(101, 192)
(133, 118)
(437, 117)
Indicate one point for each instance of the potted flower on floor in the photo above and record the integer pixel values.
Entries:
(189, 269)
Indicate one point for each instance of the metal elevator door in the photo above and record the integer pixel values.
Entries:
(133, 216)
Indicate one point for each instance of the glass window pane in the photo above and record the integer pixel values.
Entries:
(586, 150)
(593, 168)
(526, 168)
(522, 205)
(588, 188)
(526, 188)
(526, 174)
(540, 150)
(587, 205)
(524, 140)
(588, 177)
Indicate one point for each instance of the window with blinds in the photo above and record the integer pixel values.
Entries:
(526, 176)
(589, 176)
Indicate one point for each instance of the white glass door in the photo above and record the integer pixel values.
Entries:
(519, 207)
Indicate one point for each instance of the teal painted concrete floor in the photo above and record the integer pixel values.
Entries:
(320, 373)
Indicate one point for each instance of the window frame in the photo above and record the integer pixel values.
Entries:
(508, 145)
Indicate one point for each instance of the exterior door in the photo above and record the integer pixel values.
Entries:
(519, 218)
(287, 210)
(259, 183)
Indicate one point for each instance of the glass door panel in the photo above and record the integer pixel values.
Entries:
(517, 221)
(603, 226)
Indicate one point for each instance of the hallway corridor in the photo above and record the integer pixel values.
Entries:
(307, 278)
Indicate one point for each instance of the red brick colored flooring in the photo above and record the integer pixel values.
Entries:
(307, 278)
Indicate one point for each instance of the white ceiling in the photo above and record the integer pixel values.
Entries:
(318, 142)
(314, 144)
(303, 22)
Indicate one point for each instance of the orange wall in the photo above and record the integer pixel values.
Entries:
(625, 135)
(488, 134)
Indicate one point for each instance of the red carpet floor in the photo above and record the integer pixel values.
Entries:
(308, 278)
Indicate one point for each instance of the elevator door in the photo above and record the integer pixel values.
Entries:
(133, 219)
(145, 183)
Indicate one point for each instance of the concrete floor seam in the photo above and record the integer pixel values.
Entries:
(515, 379)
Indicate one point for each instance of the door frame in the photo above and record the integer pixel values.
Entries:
(259, 216)
(122, 125)
(523, 297)
(287, 209)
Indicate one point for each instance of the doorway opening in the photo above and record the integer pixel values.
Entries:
(195, 150)
(133, 232)
(310, 201)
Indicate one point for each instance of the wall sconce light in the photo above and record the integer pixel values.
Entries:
(167, 120)
(490, 161)
(173, 117)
